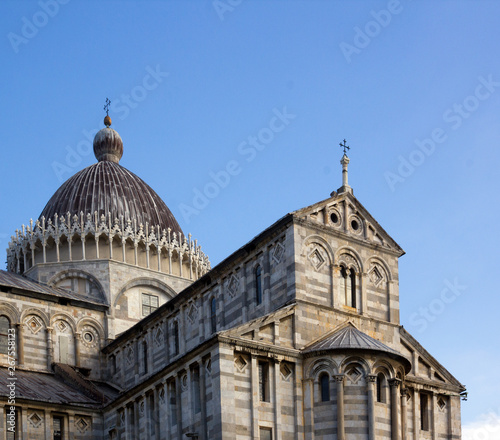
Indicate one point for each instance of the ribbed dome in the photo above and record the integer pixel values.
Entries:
(107, 187)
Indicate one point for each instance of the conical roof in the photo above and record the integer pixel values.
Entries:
(350, 338)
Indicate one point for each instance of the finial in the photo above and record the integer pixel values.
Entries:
(108, 145)
(107, 119)
(344, 162)
(345, 147)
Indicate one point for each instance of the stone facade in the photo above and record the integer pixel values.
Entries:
(294, 336)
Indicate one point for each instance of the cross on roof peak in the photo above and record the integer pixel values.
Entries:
(344, 146)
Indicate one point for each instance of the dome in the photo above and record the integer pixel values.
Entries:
(110, 189)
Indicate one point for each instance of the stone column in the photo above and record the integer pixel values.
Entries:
(2, 421)
(363, 297)
(48, 425)
(157, 415)
(22, 422)
(416, 404)
(370, 383)
(147, 416)
(395, 400)
(137, 420)
(126, 422)
(390, 290)
(333, 283)
(78, 340)
(255, 397)
(340, 407)
(68, 430)
(83, 247)
(20, 344)
(203, 398)
(178, 401)
(404, 415)
(57, 251)
(190, 398)
(277, 401)
(50, 348)
(308, 386)
(433, 405)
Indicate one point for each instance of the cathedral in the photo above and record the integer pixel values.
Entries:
(114, 325)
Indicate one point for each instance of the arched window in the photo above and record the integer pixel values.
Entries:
(324, 384)
(258, 285)
(348, 286)
(4, 334)
(380, 388)
(176, 338)
(213, 315)
(145, 356)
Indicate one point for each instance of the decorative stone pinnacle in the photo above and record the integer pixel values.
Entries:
(344, 162)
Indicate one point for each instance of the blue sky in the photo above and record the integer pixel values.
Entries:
(413, 86)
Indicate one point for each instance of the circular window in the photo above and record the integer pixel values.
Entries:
(354, 225)
(334, 218)
(88, 337)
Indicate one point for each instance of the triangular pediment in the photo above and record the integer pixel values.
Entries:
(345, 215)
(263, 329)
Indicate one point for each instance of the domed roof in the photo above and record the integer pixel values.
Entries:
(108, 188)
(349, 337)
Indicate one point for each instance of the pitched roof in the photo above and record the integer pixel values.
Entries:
(349, 337)
(48, 387)
(13, 280)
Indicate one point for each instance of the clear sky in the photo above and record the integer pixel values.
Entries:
(413, 86)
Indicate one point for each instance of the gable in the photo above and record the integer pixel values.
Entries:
(425, 368)
(275, 328)
(345, 215)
